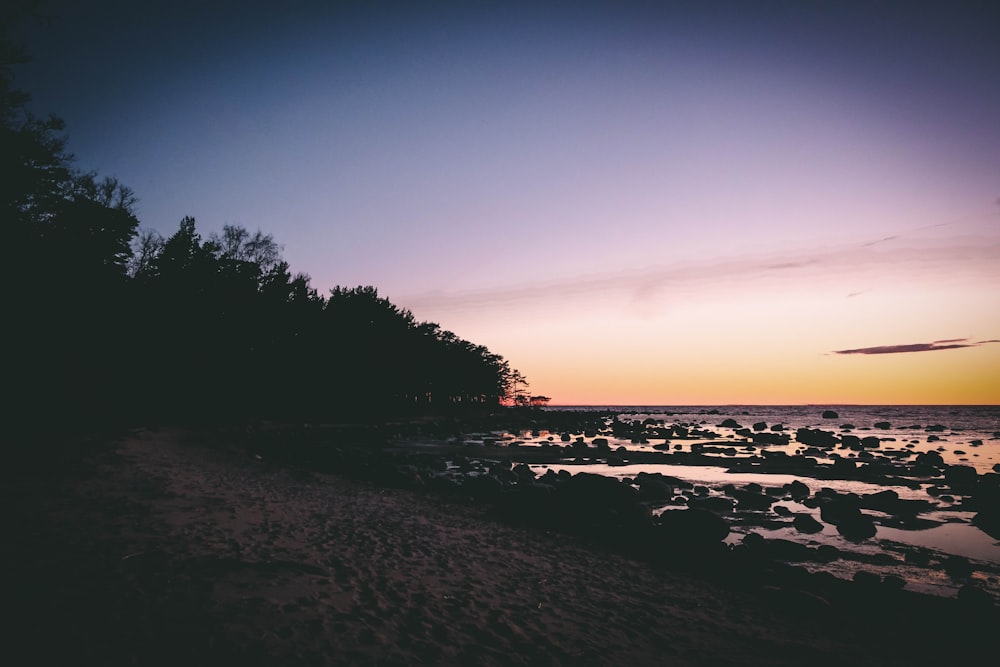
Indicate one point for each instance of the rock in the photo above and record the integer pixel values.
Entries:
(770, 438)
(778, 427)
(894, 582)
(958, 567)
(867, 579)
(975, 599)
(786, 550)
(760, 426)
(524, 474)
(797, 490)
(827, 553)
(988, 521)
(830, 414)
(960, 475)
(936, 428)
(717, 504)
(883, 425)
(871, 442)
(816, 437)
(857, 528)
(930, 459)
(851, 442)
(695, 526)
(840, 508)
(747, 500)
(729, 423)
(805, 523)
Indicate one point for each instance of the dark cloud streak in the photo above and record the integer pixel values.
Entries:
(948, 344)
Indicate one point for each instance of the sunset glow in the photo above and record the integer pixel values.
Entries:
(633, 204)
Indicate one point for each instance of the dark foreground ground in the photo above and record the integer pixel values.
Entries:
(160, 548)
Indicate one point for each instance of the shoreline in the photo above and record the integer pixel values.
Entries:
(169, 546)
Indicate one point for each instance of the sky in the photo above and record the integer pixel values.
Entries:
(677, 203)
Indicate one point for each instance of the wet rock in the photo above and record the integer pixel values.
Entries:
(870, 442)
(786, 550)
(857, 528)
(805, 523)
(797, 490)
(827, 553)
(936, 428)
(747, 500)
(866, 579)
(695, 526)
(839, 508)
(830, 414)
(958, 567)
(988, 521)
(816, 437)
(524, 474)
(717, 504)
(729, 423)
(974, 598)
(959, 475)
(760, 426)
(883, 425)
(851, 442)
(654, 487)
(770, 439)
(930, 459)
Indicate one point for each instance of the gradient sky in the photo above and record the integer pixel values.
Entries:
(656, 203)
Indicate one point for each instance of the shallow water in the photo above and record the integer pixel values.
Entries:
(969, 437)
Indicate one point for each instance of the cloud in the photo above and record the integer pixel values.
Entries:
(947, 344)
(971, 256)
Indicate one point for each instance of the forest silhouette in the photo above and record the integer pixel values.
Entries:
(107, 321)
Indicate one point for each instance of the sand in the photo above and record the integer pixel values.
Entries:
(163, 548)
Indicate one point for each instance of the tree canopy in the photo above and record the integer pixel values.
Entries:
(113, 321)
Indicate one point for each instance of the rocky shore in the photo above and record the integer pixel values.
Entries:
(340, 546)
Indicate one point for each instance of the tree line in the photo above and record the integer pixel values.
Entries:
(106, 320)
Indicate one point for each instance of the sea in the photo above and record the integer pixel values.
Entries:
(966, 435)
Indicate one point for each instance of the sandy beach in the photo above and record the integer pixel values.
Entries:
(163, 548)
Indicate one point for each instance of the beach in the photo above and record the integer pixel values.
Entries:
(170, 547)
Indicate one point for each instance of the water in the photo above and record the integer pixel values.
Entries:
(963, 435)
(965, 426)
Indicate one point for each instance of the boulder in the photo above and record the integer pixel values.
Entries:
(958, 567)
(870, 442)
(960, 475)
(816, 437)
(805, 523)
(797, 490)
(694, 526)
(857, 528)
(718, 504)
(830, 414)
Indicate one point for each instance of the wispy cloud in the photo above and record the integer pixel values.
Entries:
(948, 344)
(866, 261)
